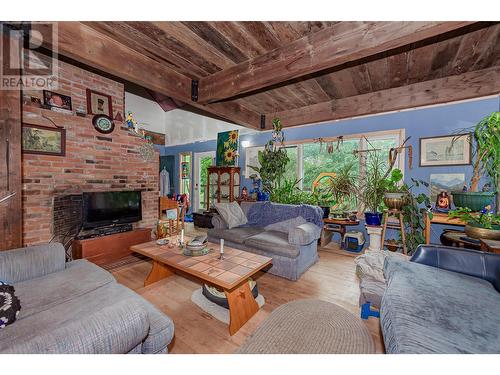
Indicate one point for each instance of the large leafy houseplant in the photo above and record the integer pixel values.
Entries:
(288, 192)
(486, 146)
(273, 159)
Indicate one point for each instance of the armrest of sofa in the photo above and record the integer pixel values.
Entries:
(30, 262)
(218, 222)
(468, 262)
(114, 329)
(304, 234)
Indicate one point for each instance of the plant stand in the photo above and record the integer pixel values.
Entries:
(374, 232)
(396, 225)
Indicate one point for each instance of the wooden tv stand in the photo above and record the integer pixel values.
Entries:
(107, 249)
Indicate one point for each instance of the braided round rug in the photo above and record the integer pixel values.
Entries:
(310, 327)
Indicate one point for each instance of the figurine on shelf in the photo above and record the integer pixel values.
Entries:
(244, 193)
(443, 200)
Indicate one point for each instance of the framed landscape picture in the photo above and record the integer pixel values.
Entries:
(43, 141)
(99, 103)
(446, 150)
(445, 182)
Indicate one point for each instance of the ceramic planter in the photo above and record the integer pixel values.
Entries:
(373, 218)
(395, 201)
(476, 201)
(326, 211)
(477, 232)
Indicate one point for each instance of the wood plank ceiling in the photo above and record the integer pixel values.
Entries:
(199, 49)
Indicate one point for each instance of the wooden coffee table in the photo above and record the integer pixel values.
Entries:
(230, 274)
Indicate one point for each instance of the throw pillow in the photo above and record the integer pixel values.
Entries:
(232, 214)
(286, 226)
(9, 305)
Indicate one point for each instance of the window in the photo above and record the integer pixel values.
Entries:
(185, 173)
(309, 159)
(328, 157)
(292, 171)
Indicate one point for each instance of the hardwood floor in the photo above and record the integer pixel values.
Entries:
(332, 279)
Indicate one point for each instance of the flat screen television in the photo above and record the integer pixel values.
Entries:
(111, 207)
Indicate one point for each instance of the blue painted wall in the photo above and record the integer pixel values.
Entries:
(424, 122)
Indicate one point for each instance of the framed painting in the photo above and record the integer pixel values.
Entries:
(227, 148)
(252, 159)
(54, 100)
(99, 103)
(42, 140)
(446, 150)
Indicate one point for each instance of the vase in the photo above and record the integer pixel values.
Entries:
(373, 218)
(475, 231)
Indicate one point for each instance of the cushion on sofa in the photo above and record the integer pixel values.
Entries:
(273, 242)
(231, 213)
(44, 292)
(236, 235)
(9, 305)
(430, 310)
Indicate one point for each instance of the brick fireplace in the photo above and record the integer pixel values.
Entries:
(93, 161)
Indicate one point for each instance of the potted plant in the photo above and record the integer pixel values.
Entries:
(485, 225)
(372, 189)
(273, 160)
(324, 199)
(288, 192)
(395, 196)
(486, 143)
(343, 190)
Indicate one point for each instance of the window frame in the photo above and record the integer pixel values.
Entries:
(397, 134)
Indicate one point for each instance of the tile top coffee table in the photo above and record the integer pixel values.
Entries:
(230, 274)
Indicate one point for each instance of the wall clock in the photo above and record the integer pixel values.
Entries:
(103, 124)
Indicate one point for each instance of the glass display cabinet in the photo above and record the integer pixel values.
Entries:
(223, 185)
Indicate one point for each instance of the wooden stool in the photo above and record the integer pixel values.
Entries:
(394, 225)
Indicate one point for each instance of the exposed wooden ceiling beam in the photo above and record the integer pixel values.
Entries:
(443, 90)
(336, 45)
(88, 46)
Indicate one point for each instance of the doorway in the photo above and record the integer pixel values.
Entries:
(202, 160)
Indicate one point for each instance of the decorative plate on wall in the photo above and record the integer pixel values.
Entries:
(103, 124)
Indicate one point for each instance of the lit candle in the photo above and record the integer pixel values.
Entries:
(222, 246)
(182, 235)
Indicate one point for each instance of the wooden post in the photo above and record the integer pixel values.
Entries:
(10, 162)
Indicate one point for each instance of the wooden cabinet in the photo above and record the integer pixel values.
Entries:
(108, 249)
(223, 185)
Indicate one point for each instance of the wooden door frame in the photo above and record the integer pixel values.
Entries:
(196, 176)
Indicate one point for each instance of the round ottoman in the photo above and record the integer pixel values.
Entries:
(310, 327)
